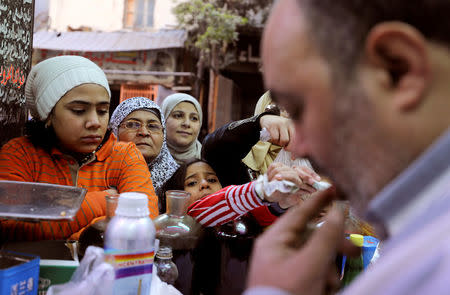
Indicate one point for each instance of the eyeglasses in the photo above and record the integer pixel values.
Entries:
(135, 126)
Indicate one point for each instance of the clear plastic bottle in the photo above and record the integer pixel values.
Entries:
(129, 245)
(182, 234)
(166, 270)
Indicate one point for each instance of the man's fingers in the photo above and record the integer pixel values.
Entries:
(307, 188)
(348, 248)
(307, 175)
(293, 223)
(326, 239)
(333, 282)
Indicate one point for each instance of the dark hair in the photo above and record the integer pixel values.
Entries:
(340, 27)
(39, 135)
(175, 182)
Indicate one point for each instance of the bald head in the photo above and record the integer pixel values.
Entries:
(286, 44)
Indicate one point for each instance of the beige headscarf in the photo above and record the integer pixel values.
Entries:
(181, 154)
(262, 153)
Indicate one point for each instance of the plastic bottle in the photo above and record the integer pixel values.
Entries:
(94, 234)
(129, 245)
(167, 270)
(182, 234)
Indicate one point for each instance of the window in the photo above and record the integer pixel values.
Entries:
(139, 14)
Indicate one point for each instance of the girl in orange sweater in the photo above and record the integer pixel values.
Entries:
(68, 143)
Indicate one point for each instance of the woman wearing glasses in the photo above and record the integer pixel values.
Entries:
(140, 120)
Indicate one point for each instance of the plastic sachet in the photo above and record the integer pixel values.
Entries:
(92, 277)
(285, 157)
(265, 188)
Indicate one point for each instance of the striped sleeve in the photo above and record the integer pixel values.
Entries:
(14, 162)
(225, 205)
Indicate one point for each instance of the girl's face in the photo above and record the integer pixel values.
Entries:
(148, 137)
(201, 180)
(183, 125)
(80, 118)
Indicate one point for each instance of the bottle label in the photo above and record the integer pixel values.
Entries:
(133, 270)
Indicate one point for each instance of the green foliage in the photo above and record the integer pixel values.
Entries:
(211, 28)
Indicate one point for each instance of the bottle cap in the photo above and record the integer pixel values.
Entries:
(164, 252)
(132, 205)
(357, 240)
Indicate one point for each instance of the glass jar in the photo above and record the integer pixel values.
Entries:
(180, 232)
(94, 234)
(165, 268)
(235, 240)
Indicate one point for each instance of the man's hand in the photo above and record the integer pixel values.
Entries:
(280, 259)
(281, 129)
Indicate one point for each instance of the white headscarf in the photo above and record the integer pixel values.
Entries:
(163, 166)
(182, 154)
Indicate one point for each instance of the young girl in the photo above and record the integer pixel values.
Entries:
(68, 143)
(214, 205)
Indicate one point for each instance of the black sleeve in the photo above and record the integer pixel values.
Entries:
(225, 148)
(275, 209)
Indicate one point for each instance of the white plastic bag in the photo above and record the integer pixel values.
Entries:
(92, 277)
(285, 157)
(161, 288)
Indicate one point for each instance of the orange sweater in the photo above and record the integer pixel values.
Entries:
(117, 164)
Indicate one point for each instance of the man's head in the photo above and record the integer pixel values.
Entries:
(365, 87)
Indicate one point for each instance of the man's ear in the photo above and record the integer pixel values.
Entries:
(401, 50)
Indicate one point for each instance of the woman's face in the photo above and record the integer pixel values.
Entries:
(80, 118)
(201, 180)
(148, 138)
(183, 125)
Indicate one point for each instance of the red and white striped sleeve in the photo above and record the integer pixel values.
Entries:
(225, 205)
